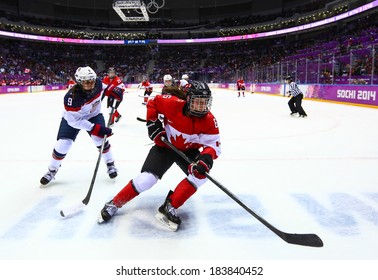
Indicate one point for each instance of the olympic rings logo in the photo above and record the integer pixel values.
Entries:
(153, 6)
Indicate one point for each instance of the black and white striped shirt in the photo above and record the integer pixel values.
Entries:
(294, 89)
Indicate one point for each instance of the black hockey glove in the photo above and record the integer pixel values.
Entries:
(201, 166)
(116, 93)
(156, 131)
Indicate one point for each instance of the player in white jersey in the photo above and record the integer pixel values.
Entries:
(82, 111)
(172, 88)
(184, 80)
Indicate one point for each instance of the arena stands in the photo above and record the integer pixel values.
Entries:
(342, 53)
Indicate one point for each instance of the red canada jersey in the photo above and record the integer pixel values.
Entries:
(240, 83)
(112, 83)
(146, 85)
(185, 132)
(70, 84)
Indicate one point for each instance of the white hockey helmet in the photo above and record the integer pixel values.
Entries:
(167, 80)
(86, 77)
(85, 74)
(185, 77)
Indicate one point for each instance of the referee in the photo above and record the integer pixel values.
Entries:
(295, 102)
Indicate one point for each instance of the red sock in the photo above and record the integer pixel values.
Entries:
(182, 192)
(145, 99)
(125, 195)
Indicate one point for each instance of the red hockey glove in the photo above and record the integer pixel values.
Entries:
(101, 131)
(201, 166)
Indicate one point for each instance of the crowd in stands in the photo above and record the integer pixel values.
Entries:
(318, 54)
(155, 28)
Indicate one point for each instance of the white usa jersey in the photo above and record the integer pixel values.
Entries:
(80, 107)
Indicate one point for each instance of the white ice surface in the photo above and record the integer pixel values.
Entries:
(315, 175)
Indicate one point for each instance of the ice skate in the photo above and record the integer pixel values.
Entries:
(167, 215)
(294, 114)
(116, 119)
(48, 177)
(107, 212)
(112, 170)
(111, 123)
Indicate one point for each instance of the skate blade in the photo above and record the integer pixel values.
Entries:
(45, 185)
(100, 220)
(163, 220)
(42, 186)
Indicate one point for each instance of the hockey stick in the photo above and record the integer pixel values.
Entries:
(68, 212)
(308, 239)
(140, 119)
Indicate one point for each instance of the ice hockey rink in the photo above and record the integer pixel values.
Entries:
(315, 175)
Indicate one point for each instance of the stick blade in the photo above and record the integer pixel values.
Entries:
(310, 239)
(71, 211)
(140, 119)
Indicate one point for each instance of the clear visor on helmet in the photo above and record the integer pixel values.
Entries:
(199, 105)
(88, 85)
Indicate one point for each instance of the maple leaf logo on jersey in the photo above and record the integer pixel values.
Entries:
(178, 141)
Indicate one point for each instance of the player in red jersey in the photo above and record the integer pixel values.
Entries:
(190, 127)
(146, 85)
(240, 86)
(112, 81)
(71, 82)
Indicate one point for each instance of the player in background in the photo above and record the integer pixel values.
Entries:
(172, 88)
(240, 85)
(112, 81)
(146, 85)
(184, 80)
(295, 102)
(167, 82)
(82, 111)
(190, 127)
(71, 82)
